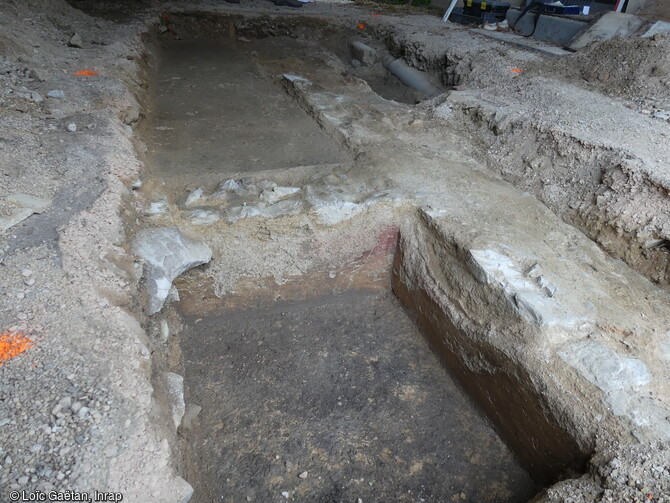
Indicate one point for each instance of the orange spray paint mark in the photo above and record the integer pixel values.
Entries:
(86, 73)
(517, 70)
(12, 344)
(361, 26)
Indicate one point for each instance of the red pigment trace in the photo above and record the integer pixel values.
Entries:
(12, 344)
(86, 73)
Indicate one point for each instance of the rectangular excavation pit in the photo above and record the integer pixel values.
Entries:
(342, 384)
(333, 398)
(317, 393)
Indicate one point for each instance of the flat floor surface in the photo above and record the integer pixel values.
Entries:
(216, 111)
(333, 400)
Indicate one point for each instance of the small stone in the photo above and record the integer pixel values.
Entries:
(8, 460)
(4, 421)
(193, 197)
(60, 476)
(203, 217)
(72, 127)
(303, 475)
(192, 411)
(274, 194)
(23, 480)
(36, 97)
(158, 207)
(174, 387)
(112, 451)
(75, 41)
(30, 281)
(285, 494)
(56, 94)
(26, 273)
(132, 115)
(164, 330)
(289, 464)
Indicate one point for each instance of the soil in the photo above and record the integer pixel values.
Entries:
(344, 388)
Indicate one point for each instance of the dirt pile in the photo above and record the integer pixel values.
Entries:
(634, 69)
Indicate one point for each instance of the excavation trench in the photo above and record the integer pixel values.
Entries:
(314, 383)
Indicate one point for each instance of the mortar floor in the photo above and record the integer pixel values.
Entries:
(217, 111)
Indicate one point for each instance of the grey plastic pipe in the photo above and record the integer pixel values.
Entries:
(411, 77)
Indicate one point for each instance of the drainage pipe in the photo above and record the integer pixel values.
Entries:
(411, 77)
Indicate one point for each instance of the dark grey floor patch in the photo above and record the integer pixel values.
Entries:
(346, 389)
(216, 112)
(82, 183)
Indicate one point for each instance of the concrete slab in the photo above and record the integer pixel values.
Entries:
(554, 29)
(657, 28)
(611, 25)
(559, 30)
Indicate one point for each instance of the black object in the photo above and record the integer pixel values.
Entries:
(287, 3)
(533, 4)
(477, 8)
(458, 16)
